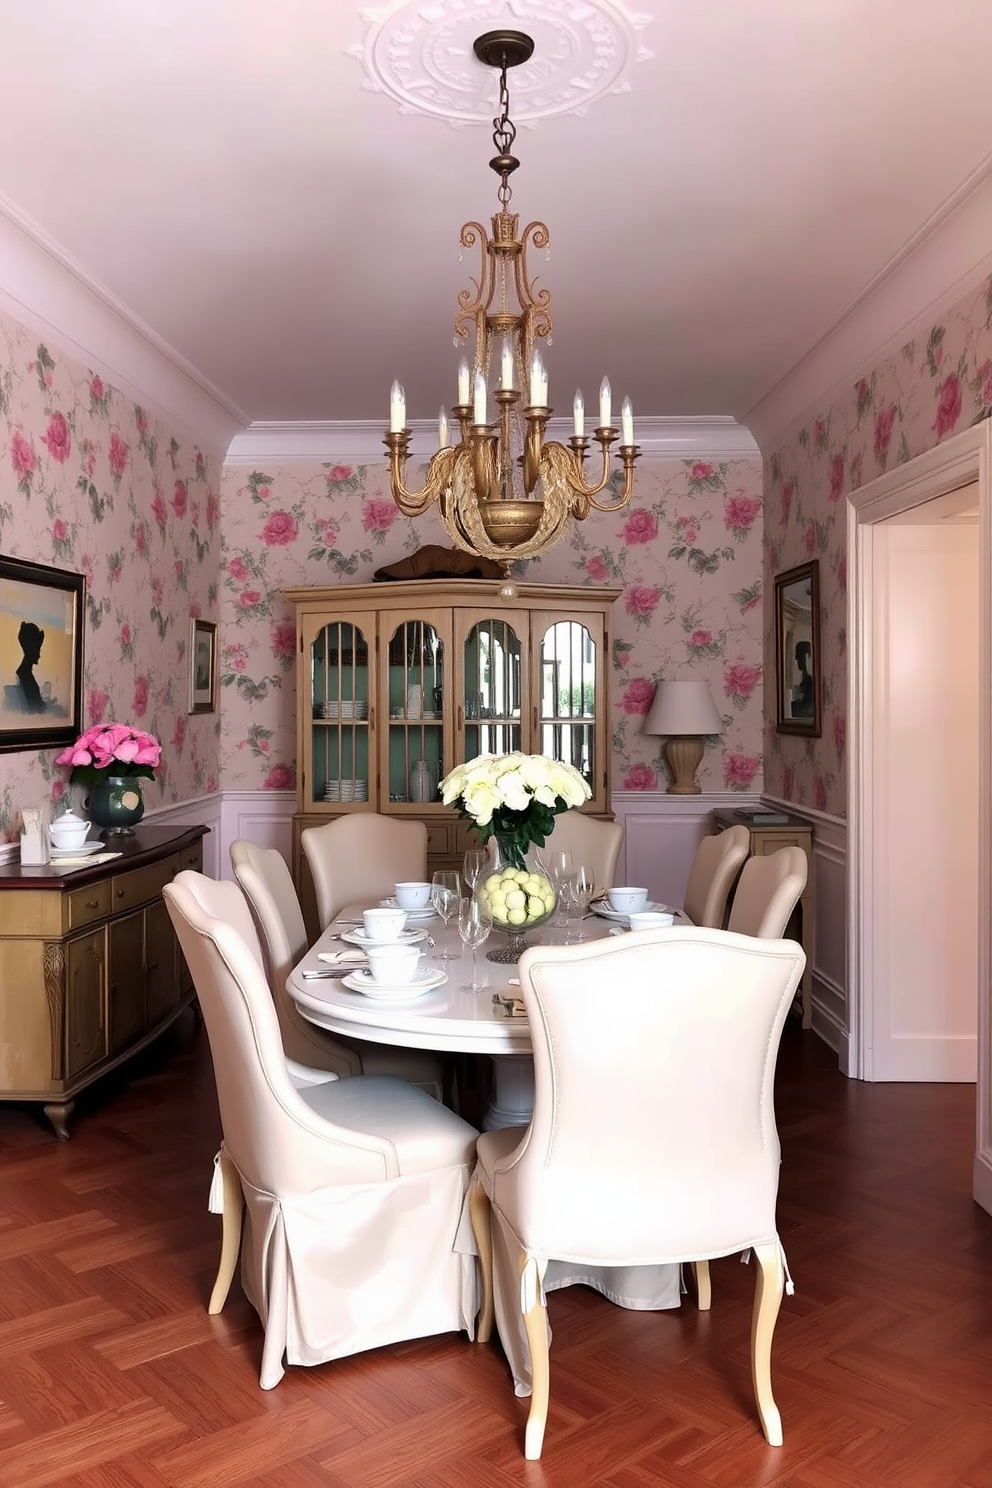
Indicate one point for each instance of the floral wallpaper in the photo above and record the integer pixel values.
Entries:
(687, 552)
(92, 483)
(935, 386)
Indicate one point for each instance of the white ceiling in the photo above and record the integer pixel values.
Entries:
(224, 169)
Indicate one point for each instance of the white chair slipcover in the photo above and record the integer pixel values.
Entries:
(362, 857)
(593, 843)
(267, 885)
(653, 1137)
(352, 1190)
(716, 863)
(767, 892)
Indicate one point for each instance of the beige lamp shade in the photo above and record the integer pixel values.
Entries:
(683, 711)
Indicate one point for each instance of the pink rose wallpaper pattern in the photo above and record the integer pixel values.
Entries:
(686, 552)
(94, 484)
(933, 387)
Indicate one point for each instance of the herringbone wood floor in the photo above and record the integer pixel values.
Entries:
(113, 1376)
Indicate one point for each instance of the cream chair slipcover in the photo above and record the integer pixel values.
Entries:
(676, 1158)
(352, 1190)
(268, 887)
(593, 843)
(767, 892)
(714, 868)
(359, 859)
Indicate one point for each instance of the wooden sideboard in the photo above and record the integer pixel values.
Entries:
(90, 967)
(767, 838)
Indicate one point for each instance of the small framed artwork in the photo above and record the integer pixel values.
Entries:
(202, 666)
(797, 650)
(41, 655)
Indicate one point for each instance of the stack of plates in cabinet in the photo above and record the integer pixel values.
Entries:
(346, 710)
(346, 790)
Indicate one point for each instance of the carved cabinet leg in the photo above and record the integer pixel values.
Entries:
(58, 1114)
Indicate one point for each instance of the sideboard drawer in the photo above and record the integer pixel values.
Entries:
(87, 905)
(438, 839)
(128, 890)
(192, 857)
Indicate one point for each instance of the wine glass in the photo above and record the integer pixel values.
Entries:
(473, 866)
(575, 895)
(559, 865)
(474, 925)
(446, 888)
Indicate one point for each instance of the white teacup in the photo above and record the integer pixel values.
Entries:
(626, 900)
(394, 965)
(413, 895)
(383, 925)
(69, 830)
(650, 919)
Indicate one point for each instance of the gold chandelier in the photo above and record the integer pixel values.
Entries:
(475, 482)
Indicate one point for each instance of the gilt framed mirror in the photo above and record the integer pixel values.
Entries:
(798, 664)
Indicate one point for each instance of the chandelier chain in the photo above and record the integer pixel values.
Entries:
(504, 134)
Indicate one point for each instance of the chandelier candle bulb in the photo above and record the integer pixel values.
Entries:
(626, 422)
(464, 384)
(605, 403)
(479, 400)
(506, 378)
(397, 409)
(579, 416)
(442, 430)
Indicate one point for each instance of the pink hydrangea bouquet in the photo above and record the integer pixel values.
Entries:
(111, 749)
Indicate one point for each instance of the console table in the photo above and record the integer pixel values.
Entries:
(90, 967)
(768, 838)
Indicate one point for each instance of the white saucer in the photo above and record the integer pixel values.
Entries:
(363, 981)
(406, 937)
(420, 915)
(77, 852)
(603, 909)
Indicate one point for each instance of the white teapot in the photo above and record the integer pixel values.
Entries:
(68, 831)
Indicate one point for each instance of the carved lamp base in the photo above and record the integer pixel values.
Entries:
(683, 756)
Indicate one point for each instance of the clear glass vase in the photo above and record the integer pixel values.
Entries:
(538, 904)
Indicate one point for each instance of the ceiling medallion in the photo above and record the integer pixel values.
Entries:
(475, 482)
(420, 52)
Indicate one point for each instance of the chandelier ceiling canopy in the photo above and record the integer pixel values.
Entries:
(503, 491)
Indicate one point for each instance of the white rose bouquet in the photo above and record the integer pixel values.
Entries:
(514, 797)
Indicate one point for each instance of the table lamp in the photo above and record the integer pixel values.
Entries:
(684, 712)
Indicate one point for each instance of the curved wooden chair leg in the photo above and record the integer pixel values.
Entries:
(480, 1213)
(704, 1291)
(234, 1204)
(536, 1327)
(768, 1285)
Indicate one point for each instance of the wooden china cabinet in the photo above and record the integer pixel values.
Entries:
(398, 682)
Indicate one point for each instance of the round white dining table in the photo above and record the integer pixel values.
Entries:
(448, 1017)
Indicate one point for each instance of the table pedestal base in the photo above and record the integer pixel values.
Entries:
(512, 1102)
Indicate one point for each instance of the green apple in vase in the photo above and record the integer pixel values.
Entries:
(516, 897)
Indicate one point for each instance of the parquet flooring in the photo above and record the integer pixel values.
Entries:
(112, 1375)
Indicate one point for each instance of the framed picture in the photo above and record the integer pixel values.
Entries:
(41, 655)
(202, 666)
(797, 650)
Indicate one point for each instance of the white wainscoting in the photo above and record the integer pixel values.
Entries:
(661, 834)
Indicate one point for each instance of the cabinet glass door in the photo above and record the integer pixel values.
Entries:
(493, 684)
(340, 703)
(416, 652)
(568, 658)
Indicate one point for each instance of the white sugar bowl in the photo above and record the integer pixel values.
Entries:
(68, 831)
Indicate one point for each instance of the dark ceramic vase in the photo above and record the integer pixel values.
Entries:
(115, 804)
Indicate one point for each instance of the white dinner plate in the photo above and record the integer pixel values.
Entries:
(603, 908)
(406, 937)
(420, 915)
(363, 981)
(77, 852)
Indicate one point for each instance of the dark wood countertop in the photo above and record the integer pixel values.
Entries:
(149, 843)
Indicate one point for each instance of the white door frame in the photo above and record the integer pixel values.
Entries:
(959, 461)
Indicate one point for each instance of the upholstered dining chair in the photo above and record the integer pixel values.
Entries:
(767, 892)
(678, 1156)
(351, 1190)
(715, 866)
(593, 843)
(267, 885)
(361, 857)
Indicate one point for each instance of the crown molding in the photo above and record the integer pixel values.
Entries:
(714, 438)
(52, 295)
(949, 256)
